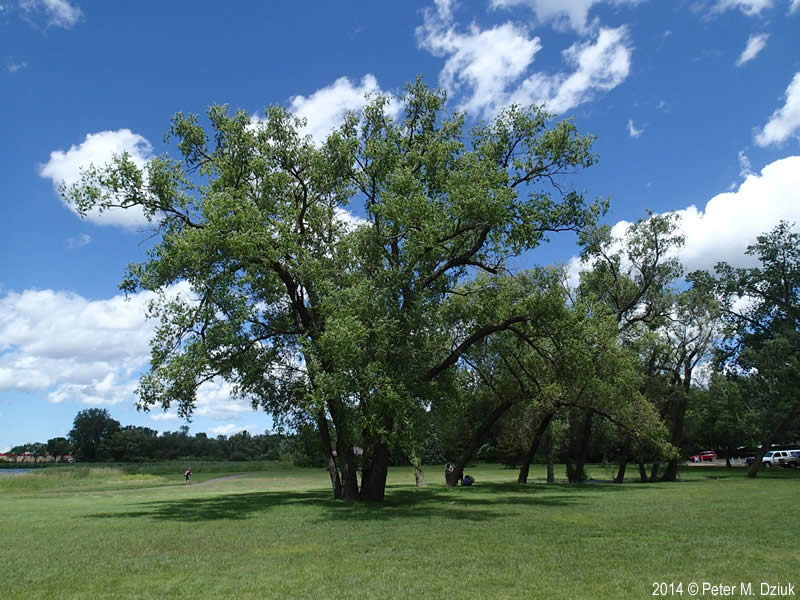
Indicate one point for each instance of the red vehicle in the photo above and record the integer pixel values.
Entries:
(703, 456)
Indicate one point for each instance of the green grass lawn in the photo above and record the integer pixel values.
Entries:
(277, 533)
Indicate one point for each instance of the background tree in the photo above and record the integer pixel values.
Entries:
(685, 340)
(761, 308)
(131, 443)
(722, 419)
(90, 428)
(58, 446)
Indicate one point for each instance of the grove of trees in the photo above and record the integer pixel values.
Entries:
(409, 332)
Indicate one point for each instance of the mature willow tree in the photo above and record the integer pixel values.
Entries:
(302, 311)
(565, 361)
(631, 277)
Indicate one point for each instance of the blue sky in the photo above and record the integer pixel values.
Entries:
(695, 105)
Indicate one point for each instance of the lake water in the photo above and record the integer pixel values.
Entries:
(10, 472)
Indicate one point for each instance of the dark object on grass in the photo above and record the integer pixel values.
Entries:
(468, 480)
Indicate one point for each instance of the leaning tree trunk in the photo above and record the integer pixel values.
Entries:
(623, 461)
(544, 425)
(453, 477)
(333, 471)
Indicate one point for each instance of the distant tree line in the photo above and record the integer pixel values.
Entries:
(96, 437)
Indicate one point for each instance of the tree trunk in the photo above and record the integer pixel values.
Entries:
(524, 470)
(456, 475)
(347, 460)
(583, 447)
(679, 405)
(548, 450)
(333, 471)
(373, 475)
(642, 472)
(623, 460)
(570, 470)
(345, 454)
(419, 476)
(671, 471)
(623, 464)
(654, 472)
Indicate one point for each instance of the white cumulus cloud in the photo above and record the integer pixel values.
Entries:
(598, 65)
(74, 348)
(215, 400)
(91, 351)
(785, 121)
(98, 149)
(755, 44)
(324, 110)
(488, 69)
(564, 14)
(59, 13)
(231, 428)
(485, 62)
(100, 391)
(731, 221)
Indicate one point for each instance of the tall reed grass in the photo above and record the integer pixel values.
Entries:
(78, 477)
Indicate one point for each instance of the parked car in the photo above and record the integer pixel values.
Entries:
(703, 456)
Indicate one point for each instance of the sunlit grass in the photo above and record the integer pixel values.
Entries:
(278, 534)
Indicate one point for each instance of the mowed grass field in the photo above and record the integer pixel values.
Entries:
(277, 533)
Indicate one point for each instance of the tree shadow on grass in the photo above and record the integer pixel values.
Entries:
(479, 503)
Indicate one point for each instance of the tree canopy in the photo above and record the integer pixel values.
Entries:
(310, 311)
